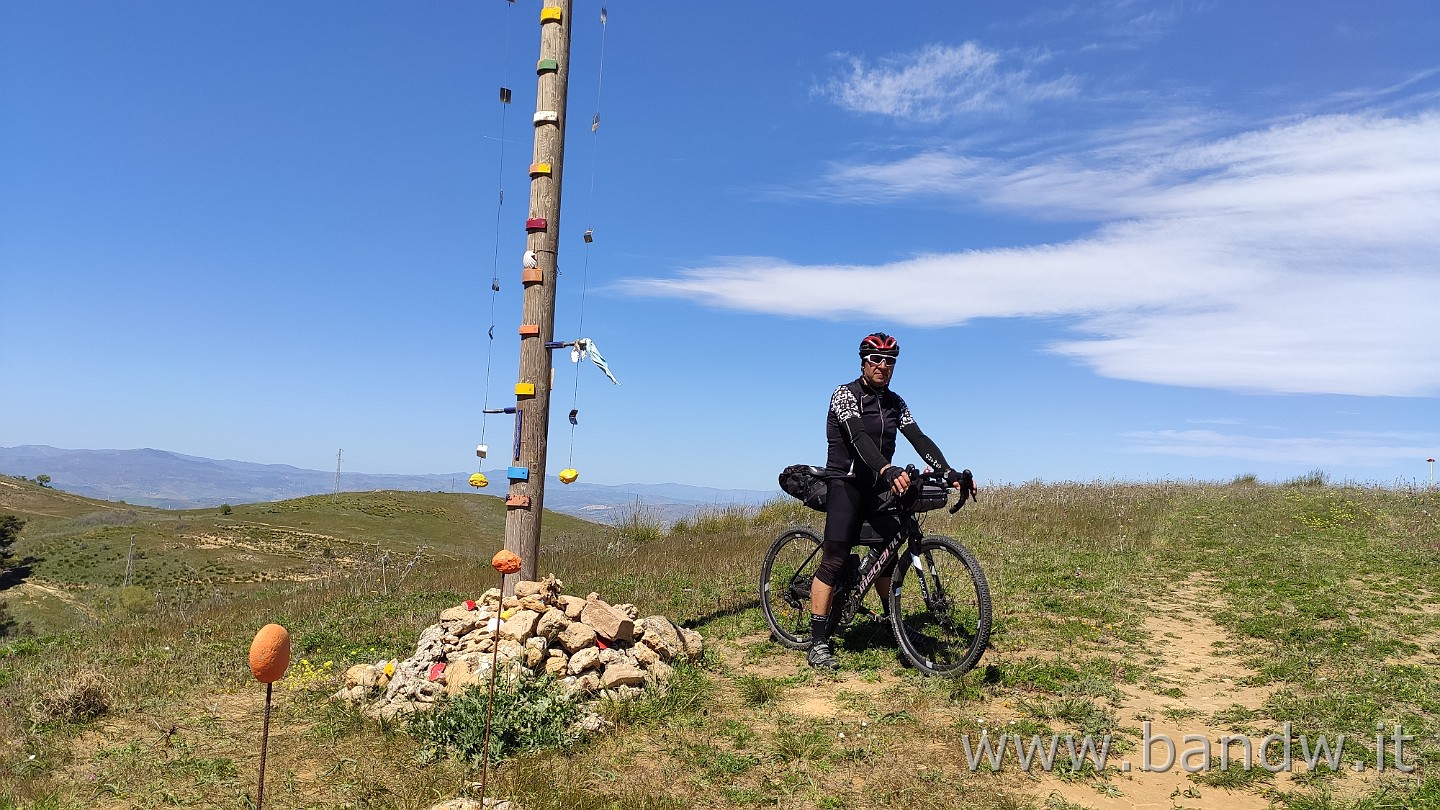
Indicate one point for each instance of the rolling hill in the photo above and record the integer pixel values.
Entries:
(169, 480)
(83, 551)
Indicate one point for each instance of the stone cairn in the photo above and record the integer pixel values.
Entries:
(593, 648)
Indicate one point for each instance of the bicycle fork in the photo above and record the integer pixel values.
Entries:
(932, 592)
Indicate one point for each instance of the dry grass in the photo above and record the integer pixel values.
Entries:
(78, 697)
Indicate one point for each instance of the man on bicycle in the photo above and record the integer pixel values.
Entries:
(860, 429)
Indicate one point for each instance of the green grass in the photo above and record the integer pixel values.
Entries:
(139, 695)
(756, 691)
(1231, 776)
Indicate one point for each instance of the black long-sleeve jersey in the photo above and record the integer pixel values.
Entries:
(861, 426)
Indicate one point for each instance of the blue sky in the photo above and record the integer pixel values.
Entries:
(1131, 240)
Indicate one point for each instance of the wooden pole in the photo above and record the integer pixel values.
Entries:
(532, 412)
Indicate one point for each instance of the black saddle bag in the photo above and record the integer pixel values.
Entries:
(806, 483)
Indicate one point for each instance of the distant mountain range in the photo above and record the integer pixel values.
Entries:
(174, 481)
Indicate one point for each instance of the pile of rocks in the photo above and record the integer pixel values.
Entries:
(592, 647)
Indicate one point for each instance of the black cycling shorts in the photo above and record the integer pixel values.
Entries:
(848, 505)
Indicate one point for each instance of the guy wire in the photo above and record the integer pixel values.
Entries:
(590, 216)
(499, 207)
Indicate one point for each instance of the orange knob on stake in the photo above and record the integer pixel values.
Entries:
(270, 653)
(269, 658)
(505, 561)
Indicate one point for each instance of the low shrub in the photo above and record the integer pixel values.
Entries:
(529, 715)
(84, 698)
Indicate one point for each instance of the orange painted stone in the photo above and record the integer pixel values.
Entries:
(270, 653)
(505, 561)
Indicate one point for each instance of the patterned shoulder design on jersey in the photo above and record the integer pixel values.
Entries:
(906, 420)
(843, 404)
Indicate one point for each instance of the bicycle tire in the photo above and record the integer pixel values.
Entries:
(785, 579)
(940, 608)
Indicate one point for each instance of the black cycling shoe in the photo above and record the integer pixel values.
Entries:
(822, 656)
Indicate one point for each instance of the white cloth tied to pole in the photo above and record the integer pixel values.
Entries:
(585, 347)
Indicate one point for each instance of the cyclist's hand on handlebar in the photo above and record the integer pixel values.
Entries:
(897, 478)
(962, 480)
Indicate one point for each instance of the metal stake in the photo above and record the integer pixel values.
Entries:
(264, 742)
(490, 707)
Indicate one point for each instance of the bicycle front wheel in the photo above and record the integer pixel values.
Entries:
(785, 579)
(940, 608)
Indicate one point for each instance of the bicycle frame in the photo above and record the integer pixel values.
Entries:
(909, 533)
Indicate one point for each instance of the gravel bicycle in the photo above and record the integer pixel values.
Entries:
(939, 599)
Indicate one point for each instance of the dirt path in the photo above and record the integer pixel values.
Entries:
(1201, 690)
(1198, 689)
(30, 589)
(1199, 675)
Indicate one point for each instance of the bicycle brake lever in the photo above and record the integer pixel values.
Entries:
(967, 482)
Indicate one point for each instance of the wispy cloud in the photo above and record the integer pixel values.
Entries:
(939, 82)
(1330, 450)
(1110, 24)
(1304, 257)
(1401, 95)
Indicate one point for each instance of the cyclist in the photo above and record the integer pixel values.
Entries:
(860, 429)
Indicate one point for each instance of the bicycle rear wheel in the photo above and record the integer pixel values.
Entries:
(785, 579)
(940, 608)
